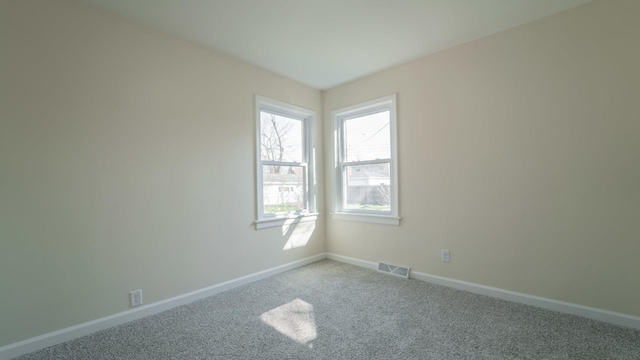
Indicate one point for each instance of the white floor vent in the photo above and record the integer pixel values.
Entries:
(394, 270)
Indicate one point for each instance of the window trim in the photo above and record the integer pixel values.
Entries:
(338, 118)
(308, 162)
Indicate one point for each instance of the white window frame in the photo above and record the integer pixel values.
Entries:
(308, 162)
(339, 167)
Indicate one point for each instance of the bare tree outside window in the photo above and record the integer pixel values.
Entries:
(285, 169)
(274, 139)
(281, 145)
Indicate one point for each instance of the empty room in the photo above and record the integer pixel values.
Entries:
(319, 179)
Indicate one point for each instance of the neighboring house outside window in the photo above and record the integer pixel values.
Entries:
(365, 170)
(285, 165)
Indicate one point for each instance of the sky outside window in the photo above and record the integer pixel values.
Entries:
(368, 137)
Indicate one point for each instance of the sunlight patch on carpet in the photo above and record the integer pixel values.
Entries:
(294, 319)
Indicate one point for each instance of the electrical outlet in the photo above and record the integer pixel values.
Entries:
(135, 297)
(444, 255)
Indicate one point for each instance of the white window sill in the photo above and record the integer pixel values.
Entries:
(285, 220)
(369, 218)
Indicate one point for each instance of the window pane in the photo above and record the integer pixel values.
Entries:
(368, 187)
(368, 137)
(280, 138)
(282, 188)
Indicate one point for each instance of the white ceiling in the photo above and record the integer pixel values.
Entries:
(324, 43)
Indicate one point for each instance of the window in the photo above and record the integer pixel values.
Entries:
(285, 166)
(365, 170)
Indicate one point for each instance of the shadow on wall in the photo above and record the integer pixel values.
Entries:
(297, 233)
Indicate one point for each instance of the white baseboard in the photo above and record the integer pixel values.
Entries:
(545, 303)
(59, 336)
(353, 261)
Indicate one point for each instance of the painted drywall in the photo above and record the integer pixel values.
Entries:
(127, 161)
(520, 154)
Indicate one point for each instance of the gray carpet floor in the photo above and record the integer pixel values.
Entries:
(331, 310)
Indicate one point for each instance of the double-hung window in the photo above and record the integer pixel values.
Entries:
(285, 163)
(365, 162)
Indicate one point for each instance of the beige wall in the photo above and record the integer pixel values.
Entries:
(520, 153)
(127, 161)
